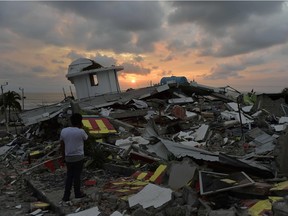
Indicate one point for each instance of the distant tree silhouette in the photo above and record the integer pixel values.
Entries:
(11, 102)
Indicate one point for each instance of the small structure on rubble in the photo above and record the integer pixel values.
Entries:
(174, 79)
(92, 79)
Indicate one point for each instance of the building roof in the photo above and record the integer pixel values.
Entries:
(83, 66)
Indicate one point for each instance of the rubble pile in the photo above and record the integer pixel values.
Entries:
(164, 150)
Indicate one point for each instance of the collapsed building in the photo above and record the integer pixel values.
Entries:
(176, 148)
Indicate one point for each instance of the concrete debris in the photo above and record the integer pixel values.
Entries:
(88, 212)
(151, 195)
(171, 149)
(180, 174)
(280, 208)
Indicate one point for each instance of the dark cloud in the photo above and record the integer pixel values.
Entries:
(38, 69)
(113, 25)
(232, 28)
(87, 25)
(138, 58)
(199, 62)
(57, 61)
(235, 67)
(251, 60)
(146, 39)
(252, 37)
(284, 50)
(135, 69)
(128, 16)
(166, 73)
(176, 45)
(10, 70)
(99, 58)
(168, 58)
(225, 71)
(31, 20)
(19, 74)
(214, 15)
(73, 55)
(106, 61)
(6, 38)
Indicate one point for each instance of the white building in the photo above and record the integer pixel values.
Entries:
(91, 79)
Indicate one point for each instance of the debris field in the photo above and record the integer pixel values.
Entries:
(163, 150)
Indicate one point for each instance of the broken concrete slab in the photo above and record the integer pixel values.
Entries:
(182, 100)
(88, 212)
(159, 149)
(183, 150)
(180, 173)
(281, 152)
(280, 207)
(201, 132)
(151, 195)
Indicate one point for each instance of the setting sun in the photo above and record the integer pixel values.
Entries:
(133, 81)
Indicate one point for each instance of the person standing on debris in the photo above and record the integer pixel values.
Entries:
(72, 146)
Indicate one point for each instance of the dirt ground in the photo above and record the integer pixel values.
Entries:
(16, 198)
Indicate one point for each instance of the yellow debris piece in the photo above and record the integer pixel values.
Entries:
(260, 207)
(87, 124)
(102, 126)
(35, 153)
(142, 175)
(228, 181)
(280, 186)
(158, 172)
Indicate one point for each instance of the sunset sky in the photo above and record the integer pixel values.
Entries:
(240, 44)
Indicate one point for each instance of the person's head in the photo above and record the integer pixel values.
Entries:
(76, 120)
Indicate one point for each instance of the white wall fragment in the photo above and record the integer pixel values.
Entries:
(247, 108)
(226, 115)
(283, 120)
(201, 132)
(244, 119)
(185, 135)
(140, 104)
(230, 115)
(116, 213)
(36, 212)
(151, 195)
(279, 127)
(193, 143)
(88, 212)
(149, 114)
(190, 114)
(180, 100)
(105, 112)
(159, 149)
(126, 143)
(233, 106)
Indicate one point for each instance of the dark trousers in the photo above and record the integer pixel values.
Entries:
(73, 177)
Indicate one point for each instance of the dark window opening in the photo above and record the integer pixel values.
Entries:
(94, 79)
